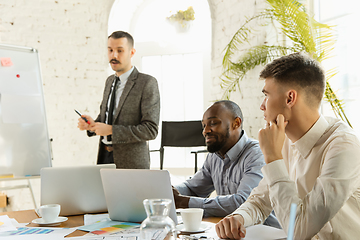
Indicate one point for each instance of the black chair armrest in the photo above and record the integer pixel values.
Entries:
(200, 151)
(196, 153)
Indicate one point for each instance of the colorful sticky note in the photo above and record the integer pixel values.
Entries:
(6, 62)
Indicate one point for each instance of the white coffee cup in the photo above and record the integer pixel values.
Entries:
(49, 212)
(192, 218)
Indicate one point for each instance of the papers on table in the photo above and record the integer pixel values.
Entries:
(111, 227)
(12, 230)
(95, 218)
(263, 232)
(104, 238)
(104, 228)
(257, 232)
(6, 224)
(37, 233)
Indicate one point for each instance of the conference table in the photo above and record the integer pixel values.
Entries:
(73, 221)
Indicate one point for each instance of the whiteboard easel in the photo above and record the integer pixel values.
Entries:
(24, 139)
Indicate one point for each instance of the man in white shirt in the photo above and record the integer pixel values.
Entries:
(311, 160)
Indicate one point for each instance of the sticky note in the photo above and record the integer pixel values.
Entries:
(6, 62)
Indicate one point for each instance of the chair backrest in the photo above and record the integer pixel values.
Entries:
(182, 134)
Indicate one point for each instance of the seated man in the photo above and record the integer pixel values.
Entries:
(232, 167)
(311, 160)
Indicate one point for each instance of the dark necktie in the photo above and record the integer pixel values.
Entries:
(112, 104)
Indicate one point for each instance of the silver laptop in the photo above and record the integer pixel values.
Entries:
(77, 189)
(125, 190)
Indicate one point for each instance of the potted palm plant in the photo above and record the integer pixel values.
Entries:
(302, 33)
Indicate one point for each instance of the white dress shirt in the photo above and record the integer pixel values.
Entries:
(321, 174)
(119, 88)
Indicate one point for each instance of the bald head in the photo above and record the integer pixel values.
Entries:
(232, 108)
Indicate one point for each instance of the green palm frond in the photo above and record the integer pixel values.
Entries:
(331, 98)
(255, 56)
(304, 34)
(325, 41)
(294, 22)
(302, 29)
(241, 37)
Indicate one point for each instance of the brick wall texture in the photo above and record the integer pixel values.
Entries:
(71, 37)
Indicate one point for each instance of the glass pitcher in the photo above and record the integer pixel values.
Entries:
(158, 224)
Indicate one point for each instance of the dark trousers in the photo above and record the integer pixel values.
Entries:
(106, 157)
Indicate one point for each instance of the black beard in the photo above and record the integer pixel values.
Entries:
(217, 146)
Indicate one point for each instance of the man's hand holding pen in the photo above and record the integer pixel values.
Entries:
(83, 125)
(98, 128)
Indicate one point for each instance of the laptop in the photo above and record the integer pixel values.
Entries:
(77, 189)
(125, 190)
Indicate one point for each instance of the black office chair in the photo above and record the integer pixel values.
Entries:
(181, 134)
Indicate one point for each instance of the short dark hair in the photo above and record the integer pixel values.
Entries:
(298, 70)
(122, 34)
(233, 108)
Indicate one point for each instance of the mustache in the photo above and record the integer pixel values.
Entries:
(114, 61)
(210, 135)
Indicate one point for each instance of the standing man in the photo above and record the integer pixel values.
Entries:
(129, 112)
(232, 168)
(311, 160)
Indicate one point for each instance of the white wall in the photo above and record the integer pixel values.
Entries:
(71, 38)
(227, 18)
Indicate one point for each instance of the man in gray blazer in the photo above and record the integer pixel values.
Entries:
(129, 112)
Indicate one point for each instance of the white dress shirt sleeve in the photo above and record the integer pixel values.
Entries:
(337, 181)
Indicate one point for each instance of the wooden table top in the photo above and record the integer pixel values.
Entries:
(73, 221)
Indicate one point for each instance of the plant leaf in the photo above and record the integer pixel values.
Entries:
(303, 33)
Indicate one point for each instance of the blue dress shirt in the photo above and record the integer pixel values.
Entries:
(233, 178)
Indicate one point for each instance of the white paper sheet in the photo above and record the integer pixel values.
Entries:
(6, 224)
(94, 218)
(257, 232)
(263, 232)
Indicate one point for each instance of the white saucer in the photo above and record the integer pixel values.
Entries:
(41, 221)
(203, 227)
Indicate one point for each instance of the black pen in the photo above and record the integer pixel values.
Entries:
(88, 122)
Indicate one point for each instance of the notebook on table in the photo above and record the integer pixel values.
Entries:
(125, 190)
(77, 189)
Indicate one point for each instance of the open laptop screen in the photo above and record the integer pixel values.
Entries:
(125, 190)
(77, 189)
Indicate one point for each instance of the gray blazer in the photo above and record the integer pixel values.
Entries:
(135, 121)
